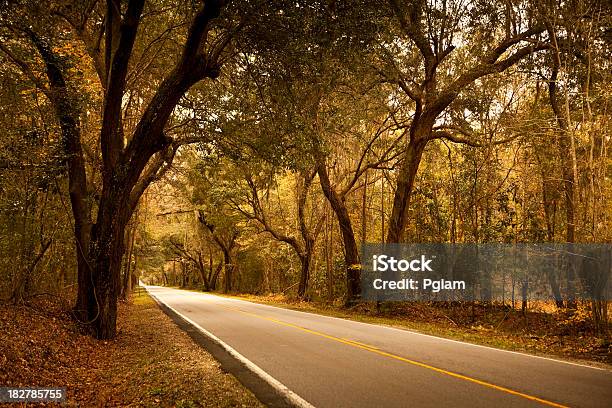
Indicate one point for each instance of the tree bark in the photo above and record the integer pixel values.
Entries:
(127, 273)
(228, 269)
(106, 251)
(203, 274)
(351, 253)
(329, 254)
(364, 213)
(405, 185)
(304, 274)
(215, 276)
(308, 237)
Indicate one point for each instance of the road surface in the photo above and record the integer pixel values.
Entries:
(330, 362)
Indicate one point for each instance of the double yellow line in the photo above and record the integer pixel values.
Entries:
(376, 350)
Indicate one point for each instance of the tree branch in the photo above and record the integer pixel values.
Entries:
(450, 93)
(154, 171)
(117, 57)
(25, 69)
(148, 137)
(260, 216)
(413, 28)
(466, 138)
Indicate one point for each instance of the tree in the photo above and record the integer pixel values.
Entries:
(313, 82)
(430, 30)
(304, 246)
(226, 240)
(127, 168)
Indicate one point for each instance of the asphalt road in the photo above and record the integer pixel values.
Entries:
(332, 362)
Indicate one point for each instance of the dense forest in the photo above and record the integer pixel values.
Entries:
(252, 146)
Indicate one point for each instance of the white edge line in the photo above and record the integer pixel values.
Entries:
(273, 382)
(414, 332)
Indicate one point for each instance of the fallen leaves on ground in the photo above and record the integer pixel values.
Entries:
(151, 363)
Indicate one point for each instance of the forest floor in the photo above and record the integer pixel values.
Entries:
(570, 336)
(151, 363)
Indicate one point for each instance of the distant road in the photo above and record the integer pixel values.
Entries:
(330, 362)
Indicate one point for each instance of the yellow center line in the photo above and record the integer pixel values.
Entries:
(375, 350)
(360, 344)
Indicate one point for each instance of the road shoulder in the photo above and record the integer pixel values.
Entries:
(150, 363)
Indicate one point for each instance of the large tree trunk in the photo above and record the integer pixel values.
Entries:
(106, 251)
(203, 275)
(82, 234)
(306, 253)
(403, 191)
(228, 269)
(364, 213)
(329, 254)
(305, 261)
(351, 253)
(215, 276)
(82, 230)
(127, 269)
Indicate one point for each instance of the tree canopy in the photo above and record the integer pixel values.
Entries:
(254, 146)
